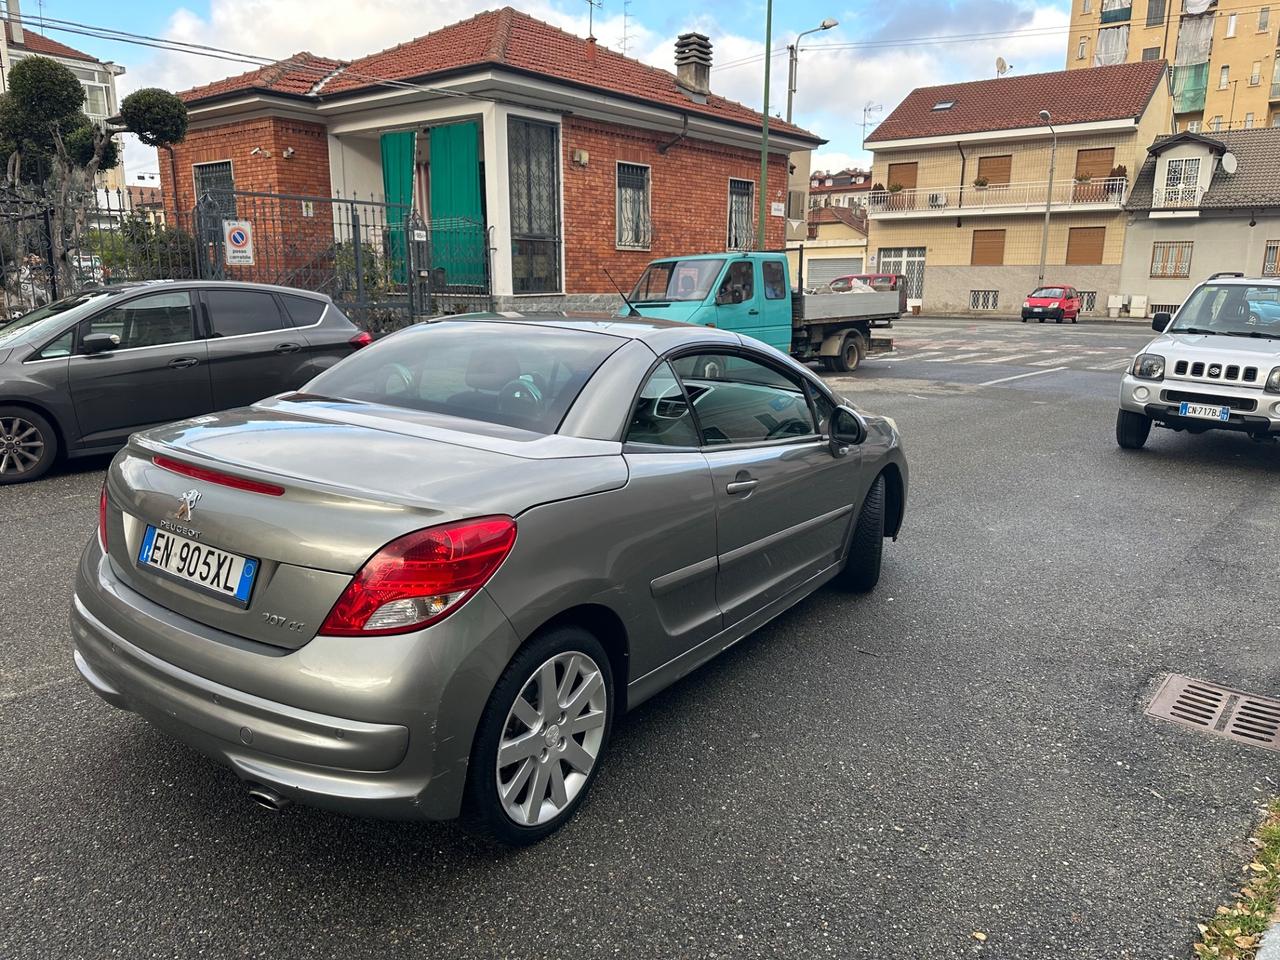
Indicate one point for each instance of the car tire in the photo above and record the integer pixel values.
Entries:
(486, 811)
(25, 435)
(1075, 318)
(1132, 429)
(861, 570)
(852, 352)
(1040, 319)
(1057, 319)
(1024, 319)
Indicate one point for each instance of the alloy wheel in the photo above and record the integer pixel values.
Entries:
(551, 738)
(21, 446)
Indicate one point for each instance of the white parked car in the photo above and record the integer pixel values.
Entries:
(1215, 365)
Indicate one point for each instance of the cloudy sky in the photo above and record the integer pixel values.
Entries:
(875, 56)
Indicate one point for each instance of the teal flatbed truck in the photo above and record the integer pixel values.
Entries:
(752, 294)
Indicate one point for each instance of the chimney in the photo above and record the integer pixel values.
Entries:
(591, 49)
(693, 65)
(14, 16)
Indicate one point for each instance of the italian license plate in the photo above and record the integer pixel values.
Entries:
(226, 575)
(1204, 411)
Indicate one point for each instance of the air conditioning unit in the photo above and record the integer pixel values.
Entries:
(937, 200)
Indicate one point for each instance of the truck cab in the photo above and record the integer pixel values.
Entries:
(748, 293)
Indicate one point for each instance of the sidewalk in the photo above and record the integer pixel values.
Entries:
(1090, 320)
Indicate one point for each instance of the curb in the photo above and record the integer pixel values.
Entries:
(970, 318)
(1269, 948)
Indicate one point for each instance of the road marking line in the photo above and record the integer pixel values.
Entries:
(924, 353)
(1033, 373)
(1006, 359)
(1111, 366)
(958, 356)
(1052, 360)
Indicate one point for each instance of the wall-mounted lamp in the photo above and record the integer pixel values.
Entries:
(288, 153)
(581, 157)
(259, 152)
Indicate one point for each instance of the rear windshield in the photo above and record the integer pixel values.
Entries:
(1048, 292)
(519, 375)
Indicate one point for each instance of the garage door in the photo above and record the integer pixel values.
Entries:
(827, 269)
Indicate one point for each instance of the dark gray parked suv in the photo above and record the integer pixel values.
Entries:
(79, 375)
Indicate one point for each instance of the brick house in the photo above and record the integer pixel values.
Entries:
(568, 157)
(961, 180)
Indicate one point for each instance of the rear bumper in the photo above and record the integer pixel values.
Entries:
(406, 758)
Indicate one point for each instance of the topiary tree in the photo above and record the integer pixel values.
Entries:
(50, 142)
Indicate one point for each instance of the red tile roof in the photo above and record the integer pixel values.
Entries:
(1010, 103)
(33, 42)
(501, 38)
(295, 75)
(850, 218)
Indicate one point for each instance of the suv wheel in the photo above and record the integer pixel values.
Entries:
(28, 445)
(1132, 429)
(540, 738)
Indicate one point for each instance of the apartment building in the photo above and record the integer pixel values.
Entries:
(1224, 69)
(961, 179)
(844, 188)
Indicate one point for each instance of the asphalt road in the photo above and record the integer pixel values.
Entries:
(880, 777)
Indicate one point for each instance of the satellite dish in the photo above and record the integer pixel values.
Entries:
(1002, 66)
(1229, 163)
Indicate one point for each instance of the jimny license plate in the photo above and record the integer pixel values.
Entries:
(226, 575)
(1204, 411)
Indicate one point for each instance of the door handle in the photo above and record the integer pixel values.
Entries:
(740, 486)
(753, 312)
(288, 348)
(183, 362)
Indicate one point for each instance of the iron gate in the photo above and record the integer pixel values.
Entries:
(382, 263)
(908, 261)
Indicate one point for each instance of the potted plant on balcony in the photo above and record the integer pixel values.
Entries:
(896, 200)
(1117, 182)
(981, 182)
(1085, 191)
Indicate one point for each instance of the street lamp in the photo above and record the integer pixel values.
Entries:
(793, 51)
(1048, 199)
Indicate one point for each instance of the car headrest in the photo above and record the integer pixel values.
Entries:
(492, 370)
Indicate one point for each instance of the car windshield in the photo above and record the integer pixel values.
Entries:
(1049, 292)
(676, 280)
(45, 319)
(518, 375)
(1231, 310)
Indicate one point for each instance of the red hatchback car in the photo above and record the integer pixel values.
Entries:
(1057, 303)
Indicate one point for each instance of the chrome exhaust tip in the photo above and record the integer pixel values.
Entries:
(267, 798)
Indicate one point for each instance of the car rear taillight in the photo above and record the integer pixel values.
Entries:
(102, 517)
(421, 578)
(217, 476)
(361, 339)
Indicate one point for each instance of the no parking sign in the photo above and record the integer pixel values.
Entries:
(237, 243)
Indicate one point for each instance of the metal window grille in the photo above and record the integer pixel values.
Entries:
(1171, 258)
(1155, 13)
(984, 299)
(908, 261)
(215, 185)
(1150, 53)
(1088, 301)
(534, 169)
(741, 218)
(1169, 308)
(1270, 267)
(634, 224)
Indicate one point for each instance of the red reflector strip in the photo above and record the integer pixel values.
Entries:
(217, 476)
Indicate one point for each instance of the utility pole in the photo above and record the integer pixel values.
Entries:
(793, 57)
(764, 139)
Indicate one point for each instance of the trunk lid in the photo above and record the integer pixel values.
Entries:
(354, 477)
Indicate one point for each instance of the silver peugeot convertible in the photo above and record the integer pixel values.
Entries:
(426, 584)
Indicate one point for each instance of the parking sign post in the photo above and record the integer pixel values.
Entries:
(237, 245)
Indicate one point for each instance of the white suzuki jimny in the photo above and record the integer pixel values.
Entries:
(1215, 366)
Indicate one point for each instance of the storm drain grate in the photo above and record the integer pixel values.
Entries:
(1218, 710)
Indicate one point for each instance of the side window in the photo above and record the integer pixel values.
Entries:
(823, 408)
(236, 312)
(740, 400)
(303, 310)
(775, 283)
(739, 283)
(60, 347)
(149, 321)
(662, 415)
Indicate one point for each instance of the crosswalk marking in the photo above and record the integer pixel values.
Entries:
(959, 356)
(1052, 361)
(1014, 356)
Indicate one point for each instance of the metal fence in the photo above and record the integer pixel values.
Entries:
(382, 263)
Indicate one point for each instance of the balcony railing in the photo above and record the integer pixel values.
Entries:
(1110, 191)
(1177, 197)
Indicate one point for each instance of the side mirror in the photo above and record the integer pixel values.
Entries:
(847, 430)
(723, 297)
(1160, 322)
(99, 342)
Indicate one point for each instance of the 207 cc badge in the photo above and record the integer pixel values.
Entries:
(186, 503)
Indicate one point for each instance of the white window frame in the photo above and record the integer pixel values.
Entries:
(1082, 48)
(1216, 124)
(1231, 25)
(1224, 76)
(645, 242)
(1248, 121)
(1088, 6)
(1255, 74)
(1193, 126)
(1173, 257)
(1271, 259)
(729, 229)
